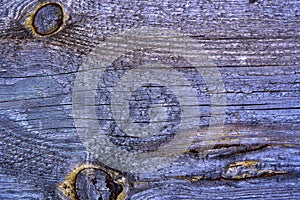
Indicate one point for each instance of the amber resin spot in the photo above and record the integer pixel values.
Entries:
(47, 19)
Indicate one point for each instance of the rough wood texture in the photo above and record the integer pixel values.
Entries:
(255, 45)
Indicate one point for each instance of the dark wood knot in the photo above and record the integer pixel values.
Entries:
(94, 182)
(47, 19)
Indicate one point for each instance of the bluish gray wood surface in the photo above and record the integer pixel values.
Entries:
(256, 48)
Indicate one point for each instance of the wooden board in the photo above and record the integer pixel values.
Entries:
(254, 44)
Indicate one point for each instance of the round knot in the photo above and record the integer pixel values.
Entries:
(47, 19)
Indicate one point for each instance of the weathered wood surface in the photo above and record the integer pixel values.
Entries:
(256, 48)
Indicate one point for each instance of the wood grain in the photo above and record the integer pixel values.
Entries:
(255, 45)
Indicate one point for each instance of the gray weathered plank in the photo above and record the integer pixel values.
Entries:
(256, 48)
